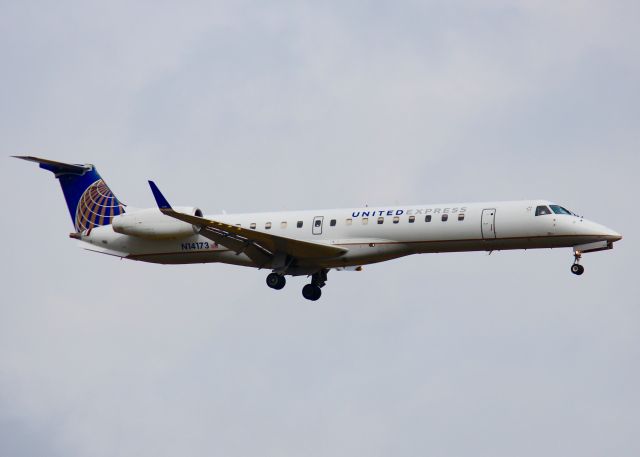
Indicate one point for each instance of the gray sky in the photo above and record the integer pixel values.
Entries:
(247, 106)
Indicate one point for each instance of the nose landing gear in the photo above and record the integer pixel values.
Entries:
(576, 268)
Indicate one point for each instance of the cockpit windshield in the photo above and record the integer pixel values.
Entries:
(542, 210)
(560, 210)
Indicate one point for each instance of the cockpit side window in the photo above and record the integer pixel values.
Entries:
(560, 210)
(542, 210)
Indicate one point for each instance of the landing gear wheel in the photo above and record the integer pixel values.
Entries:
(577, 269)
(311, 292)
(276, 281)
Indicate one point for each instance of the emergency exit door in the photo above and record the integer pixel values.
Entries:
(317, 225)
(489, 223)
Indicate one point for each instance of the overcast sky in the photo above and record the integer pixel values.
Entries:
(256, 106)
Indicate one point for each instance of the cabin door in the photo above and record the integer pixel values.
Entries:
(317, 225)
(489, 223)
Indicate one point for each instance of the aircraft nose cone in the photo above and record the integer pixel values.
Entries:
(612, 235)
(602, 232)
(609, 234)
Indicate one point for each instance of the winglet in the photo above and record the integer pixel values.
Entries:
(160, 200)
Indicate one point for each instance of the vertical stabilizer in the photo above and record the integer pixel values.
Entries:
(90, 201)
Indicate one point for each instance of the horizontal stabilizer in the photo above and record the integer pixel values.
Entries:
(56, 167)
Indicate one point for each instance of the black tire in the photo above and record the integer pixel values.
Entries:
(577, 269)
(276, 281)
(311, 292)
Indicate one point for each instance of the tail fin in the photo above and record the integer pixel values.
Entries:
(90, 201)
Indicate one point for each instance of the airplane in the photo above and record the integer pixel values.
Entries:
(311, 243)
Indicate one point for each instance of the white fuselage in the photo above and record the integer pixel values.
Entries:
(373, 234)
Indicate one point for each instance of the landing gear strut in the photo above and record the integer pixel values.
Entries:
(318, 280)
(576, 268)
(276, 281)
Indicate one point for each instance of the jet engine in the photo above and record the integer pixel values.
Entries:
(151, 224)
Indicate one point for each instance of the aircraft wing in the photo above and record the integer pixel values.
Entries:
(259, 246)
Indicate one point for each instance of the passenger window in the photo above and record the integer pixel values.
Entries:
(283, 224)
(427, 218)
(349, 221)
(332, 223)
(445, 217)
(253, 226)
(461, 217)
(267, 225)
(542, 210)
(299, 224)
(365, 220)
(318, 222)
(381, 220)
(396, 219)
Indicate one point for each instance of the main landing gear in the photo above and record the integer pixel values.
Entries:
(576, 268)
(318, 280)
(310, 291)
(276, 281)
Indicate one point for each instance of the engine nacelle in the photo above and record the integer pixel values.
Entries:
(151, 224)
